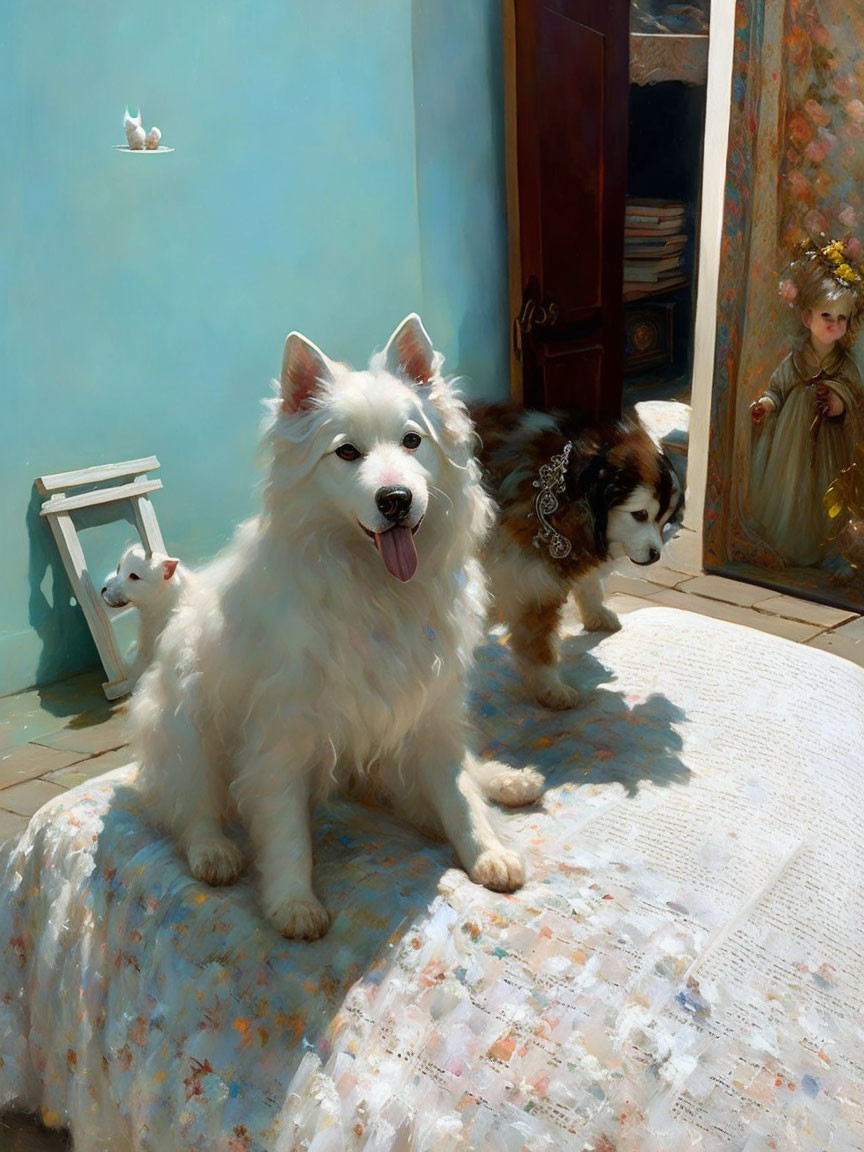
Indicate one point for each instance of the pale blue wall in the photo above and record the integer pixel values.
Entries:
(459, 100)
(338, 163)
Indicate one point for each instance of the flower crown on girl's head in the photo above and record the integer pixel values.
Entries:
(821, 260)
(837, 259)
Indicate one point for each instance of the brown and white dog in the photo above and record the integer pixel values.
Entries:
(571, 498)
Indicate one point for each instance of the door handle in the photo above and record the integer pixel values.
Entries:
(533, 315)
(525, 319)
(546, 314)
(537, 315)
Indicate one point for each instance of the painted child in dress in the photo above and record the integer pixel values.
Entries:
(811, 417)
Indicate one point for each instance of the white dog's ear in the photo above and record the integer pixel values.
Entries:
(169, 567)
(304, 369)
(409, 352)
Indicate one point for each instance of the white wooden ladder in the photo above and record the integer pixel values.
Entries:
(105, 484)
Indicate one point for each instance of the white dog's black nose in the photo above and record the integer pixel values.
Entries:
(653, 555)
(394, 502)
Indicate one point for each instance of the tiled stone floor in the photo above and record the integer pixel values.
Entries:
(53, 738)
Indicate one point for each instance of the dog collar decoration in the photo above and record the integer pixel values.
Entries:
(551, 485)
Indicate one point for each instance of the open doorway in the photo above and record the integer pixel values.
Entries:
(581, 78)
(666, 129)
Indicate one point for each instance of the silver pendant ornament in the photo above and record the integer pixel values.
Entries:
(551, 484)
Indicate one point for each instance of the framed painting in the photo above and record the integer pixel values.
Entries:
(785, 492)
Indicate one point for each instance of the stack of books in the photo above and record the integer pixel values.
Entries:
(654, 243)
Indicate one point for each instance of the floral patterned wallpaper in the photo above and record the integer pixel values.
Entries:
(822, 164)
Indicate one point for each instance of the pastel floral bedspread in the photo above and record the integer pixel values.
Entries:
(682, 971)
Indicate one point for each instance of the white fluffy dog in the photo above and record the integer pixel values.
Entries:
(328, 646)
(154, 584)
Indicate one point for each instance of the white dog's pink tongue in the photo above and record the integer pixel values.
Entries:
(398, 552)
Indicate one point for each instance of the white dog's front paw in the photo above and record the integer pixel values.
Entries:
(216, 861)
(498, 869)
(300, 919)
(515, 787)
(600, 619)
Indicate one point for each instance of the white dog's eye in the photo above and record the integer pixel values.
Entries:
(411, 440)
(348, 452)
(641, 515)
(133, 576)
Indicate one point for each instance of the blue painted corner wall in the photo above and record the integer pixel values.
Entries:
(337, 164)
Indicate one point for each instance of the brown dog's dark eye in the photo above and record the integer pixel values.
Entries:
(348, 452)
(132, 576)
(641, 515)
(411, 441)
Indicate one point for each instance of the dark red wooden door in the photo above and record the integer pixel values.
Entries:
(570, 80)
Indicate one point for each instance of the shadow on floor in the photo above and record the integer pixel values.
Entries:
(80, 698)
(608, 738)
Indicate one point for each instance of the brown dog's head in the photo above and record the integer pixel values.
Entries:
(632, 490)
